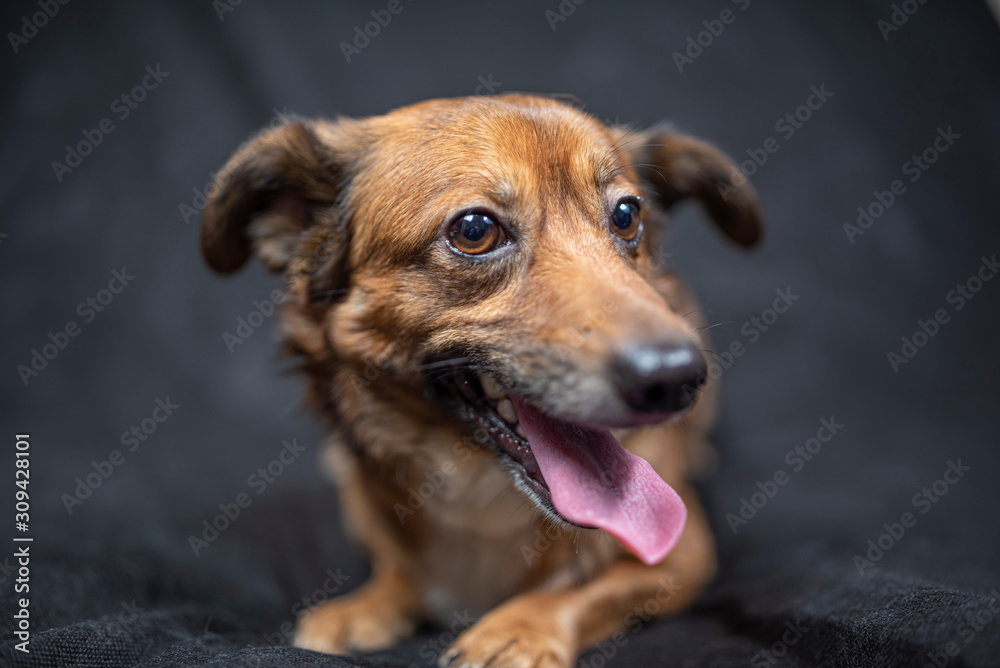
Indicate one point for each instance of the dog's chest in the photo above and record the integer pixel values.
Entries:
(472, 558)
(489, 542)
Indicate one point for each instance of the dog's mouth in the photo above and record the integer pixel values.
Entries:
(485, 401)
(578, 473)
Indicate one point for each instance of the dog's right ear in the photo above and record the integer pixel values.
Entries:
(678, 167)
(277, 186)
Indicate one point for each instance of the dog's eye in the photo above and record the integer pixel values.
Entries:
(625, 221)
(475, 233)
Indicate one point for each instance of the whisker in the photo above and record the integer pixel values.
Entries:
(622, 147)
(628, 133)
(625, 149)
(521, 505)
(438, 373)
(640, 164)
(500, 497)
(724, 322)
(458, 361)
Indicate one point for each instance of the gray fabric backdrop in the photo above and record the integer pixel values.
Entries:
(115, 581)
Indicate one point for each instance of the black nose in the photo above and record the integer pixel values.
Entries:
(660, 378)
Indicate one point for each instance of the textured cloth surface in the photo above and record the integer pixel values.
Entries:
(114, 580)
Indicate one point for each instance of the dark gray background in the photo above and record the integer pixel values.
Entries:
(162, 336)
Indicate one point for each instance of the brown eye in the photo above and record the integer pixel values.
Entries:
(475, 234)
(625, 221)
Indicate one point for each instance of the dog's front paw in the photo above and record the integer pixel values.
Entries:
(510, 638)
(351, 624)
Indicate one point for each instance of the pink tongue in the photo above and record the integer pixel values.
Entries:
(595, 482)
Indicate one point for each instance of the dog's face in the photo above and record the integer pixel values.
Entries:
(491, 260)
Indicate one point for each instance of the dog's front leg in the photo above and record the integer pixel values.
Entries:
(383, 610)
(378, 614)
(547, 629)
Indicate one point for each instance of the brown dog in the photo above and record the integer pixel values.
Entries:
(473, 292)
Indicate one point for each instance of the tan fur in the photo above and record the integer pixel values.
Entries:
(351, 212)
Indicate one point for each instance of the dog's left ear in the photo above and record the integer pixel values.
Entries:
(279, 185)
(676, 167)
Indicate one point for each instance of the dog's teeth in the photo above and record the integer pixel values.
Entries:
(520, 432)
(506, 410)
(491, 387)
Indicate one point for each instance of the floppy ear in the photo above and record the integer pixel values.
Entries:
(277, 187)
(676, 167)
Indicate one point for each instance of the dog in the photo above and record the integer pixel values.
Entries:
(513, 378)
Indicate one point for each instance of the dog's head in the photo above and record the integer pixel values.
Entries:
(489, 260)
